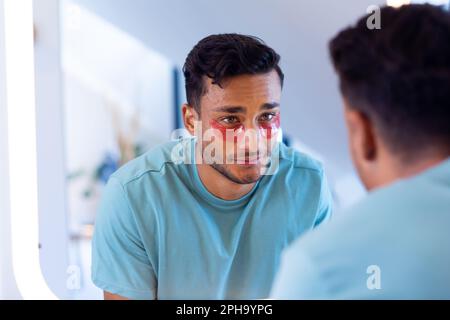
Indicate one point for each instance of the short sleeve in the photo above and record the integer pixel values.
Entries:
(120, 264)
(325, 207)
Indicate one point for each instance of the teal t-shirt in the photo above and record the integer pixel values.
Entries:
(394, 244)
(159, 233)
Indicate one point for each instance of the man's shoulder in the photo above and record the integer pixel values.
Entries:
(299, 160)
(152, 162)
(394, 209)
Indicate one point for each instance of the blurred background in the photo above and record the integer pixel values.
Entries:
(108, 86)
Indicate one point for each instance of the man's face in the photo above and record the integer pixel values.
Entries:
(242, 118)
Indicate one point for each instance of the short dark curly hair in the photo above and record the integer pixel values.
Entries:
(222, 56)
(399, 75)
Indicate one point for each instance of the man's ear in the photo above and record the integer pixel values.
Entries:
(190, 115)
(362, 137)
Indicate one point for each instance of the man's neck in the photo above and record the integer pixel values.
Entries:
(219, 185)
(403, 169)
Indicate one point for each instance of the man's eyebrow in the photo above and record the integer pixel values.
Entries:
(230, 109)
(240, 109)
(269, 106)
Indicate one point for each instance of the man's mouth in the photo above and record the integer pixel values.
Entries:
(249, 160)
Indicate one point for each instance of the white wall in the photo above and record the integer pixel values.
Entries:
(53, 233)
(8, 289)
(112, 83)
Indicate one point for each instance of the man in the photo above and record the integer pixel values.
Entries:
(395, 244)
(214, 227)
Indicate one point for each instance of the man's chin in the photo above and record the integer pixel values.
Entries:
(249, 173)
(248, 165)
(247, 179)
(241, 173)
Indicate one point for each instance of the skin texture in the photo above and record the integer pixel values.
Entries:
(110, 296)
(377, 165)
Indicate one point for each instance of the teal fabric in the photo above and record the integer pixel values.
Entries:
(160, 234)
(394, 244)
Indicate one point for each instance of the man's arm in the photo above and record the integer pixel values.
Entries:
(120, 263)
(110, 296)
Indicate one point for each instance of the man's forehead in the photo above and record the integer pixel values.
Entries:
(244, 88)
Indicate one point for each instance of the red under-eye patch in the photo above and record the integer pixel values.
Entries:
(233, 131)
(267, 129)
(271, 129)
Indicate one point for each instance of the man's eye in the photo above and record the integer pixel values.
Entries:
(267, 117)
(230, 120)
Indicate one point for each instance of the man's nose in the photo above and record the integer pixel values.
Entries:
(250, 137)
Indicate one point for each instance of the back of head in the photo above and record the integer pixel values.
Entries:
(399, 76)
